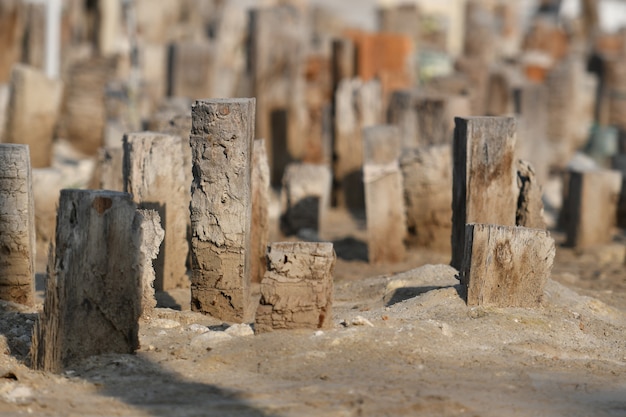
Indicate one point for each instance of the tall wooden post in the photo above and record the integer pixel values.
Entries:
(17, 225)
(384, 201)
(260, 210)
(484, 187)
(221, 141)
(93, 289)
(153, 174)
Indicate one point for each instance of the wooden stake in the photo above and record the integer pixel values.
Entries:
(260, 232)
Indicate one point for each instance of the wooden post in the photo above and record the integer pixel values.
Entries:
(592, 198)
(618, 163)
(484, 187)
(93, 288)
(277, 45)
(506, 266)
(305, 198)
(297, 290)
(17, 225)
(529, 203)
(109, 170)
(427, 179)
(384, 200)
(260, 232)
(221, 143)
(12, 18)
(192, 69)
(153, 174)
(34, 104)
(357, 105)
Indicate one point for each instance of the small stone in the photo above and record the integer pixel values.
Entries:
(19, 395)
(164, 323)
(197, 328)
(237, 330)
(209, 340)
(361, 321)
(318, 333)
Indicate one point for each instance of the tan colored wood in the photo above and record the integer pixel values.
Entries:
(260, 230)
(17, 225)
(153, 174)
(384, 201)
(221, 141)
(297, 290)
(506, 266)
(484, 188)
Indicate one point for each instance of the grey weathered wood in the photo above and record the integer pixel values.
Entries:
(33, 110)
(221, 141)
(384, 200)
(506, 266)
(484, 188)
(17, 225)
(153, 174)
(427, 179)
(93, 288)
(297, 290)
(260, 232)
(592, 198)
(305, 198)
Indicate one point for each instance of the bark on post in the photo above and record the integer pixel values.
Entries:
(297, 290)
(592, 197)
(506, 266)
(484, 187)
(153, 174)
(529, 204)
(305, 198)
(384, 202)
(427, 179)
(93, 288)
(17, 225)
(221, 141)
(34, 104)
(260, 232)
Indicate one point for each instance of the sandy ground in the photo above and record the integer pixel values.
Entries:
(404, 343)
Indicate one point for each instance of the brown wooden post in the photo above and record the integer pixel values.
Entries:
(153, 174)
(93, 288)
(297, 290)
(33, 110)
(384, 201)
(484, 187)
(592, 197)
(260, 231)
(12, 20)
(506, 266)
(221, 141)
(17, 225)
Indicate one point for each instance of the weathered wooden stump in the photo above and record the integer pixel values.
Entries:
(93, 288)
(484, 188)
(305, 198)
(592, 199)
(384, 201)
(357, 105)
(529, 203)
(153, 174)
(17, 225)
(506, 266)
(221, 141)
(297, 290)
(33, 110)
(277, 45)
(427, 179)
(260, 232)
